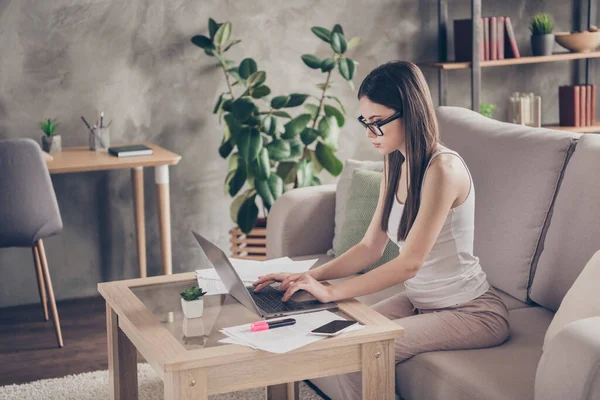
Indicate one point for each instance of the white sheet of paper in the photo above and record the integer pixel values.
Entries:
(284, 339)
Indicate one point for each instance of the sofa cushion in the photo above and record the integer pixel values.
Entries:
(341, 196)
(516, 170)
(506, 372)
(360, 207)
(574, 232)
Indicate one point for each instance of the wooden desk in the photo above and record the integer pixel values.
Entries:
(144, 315)
(81, 159)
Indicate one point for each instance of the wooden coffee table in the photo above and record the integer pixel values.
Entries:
(145, 315)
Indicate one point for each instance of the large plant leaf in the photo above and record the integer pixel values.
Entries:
(242, 108)
(261, 168)
(236, 204)
(338, 43)
(329, 161)
(282, 114)
(261, 91)
(218, 104)
(272, 126)
(339, 102)
(312, 61)
(279, 149)
(247, 67)
(327, 65)
(315, 160)
(296, 99)
(235, 180)
(270, 189)
(331, 111)
(257, 79)
(304, 173)
(287, 171)
(222, 34)
(347, 68)
(315, 181)
(233, 162)
(322, 33)
(213, 27)
(278, 102)
(247, 215)
(295, 126)
(297, 148)
(203, 42)
(249, 144)
(312, 109)
(233, 125)
(329, 131)
(309, 135)
(225, 148)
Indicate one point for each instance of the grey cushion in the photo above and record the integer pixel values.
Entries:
(506, 372)
(574, 232)
(29, 210)
(516, 170)
(342, 190)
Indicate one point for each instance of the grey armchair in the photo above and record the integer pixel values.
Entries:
(29, 211)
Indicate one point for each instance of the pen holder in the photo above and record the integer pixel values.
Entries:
(100, 139)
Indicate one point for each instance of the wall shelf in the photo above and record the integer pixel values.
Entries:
(516, 61)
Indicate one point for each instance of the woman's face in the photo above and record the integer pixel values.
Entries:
(393, 132)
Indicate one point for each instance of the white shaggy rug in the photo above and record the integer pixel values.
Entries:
(94, 386)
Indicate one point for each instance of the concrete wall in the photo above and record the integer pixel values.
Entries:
(134, 61)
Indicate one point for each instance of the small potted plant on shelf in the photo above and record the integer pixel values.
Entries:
(542, 38)
(487, 109)
(192, 303)
(51, 142)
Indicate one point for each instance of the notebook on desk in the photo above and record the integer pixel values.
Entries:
(131, 150)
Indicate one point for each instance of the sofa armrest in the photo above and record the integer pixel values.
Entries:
(570, 365)
(301, 222)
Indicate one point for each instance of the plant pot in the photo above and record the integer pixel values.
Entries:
(51, 144)
(193, 327)
(192, 308)
(251, 246)
(542, 45)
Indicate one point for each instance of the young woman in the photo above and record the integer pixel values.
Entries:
(426, 206)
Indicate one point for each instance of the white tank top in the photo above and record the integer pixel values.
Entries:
(451, 274)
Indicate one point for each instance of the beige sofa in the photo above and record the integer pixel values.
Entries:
(537, 223)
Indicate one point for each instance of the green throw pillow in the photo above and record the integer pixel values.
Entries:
(360, 207)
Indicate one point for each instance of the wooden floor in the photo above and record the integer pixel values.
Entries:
(28, 347)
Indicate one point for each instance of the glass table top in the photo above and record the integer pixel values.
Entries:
(220, 311)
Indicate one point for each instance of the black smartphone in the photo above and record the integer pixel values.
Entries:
(332, 328)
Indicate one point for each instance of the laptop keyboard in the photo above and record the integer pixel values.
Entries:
(269, 299)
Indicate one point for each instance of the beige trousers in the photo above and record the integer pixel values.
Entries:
(482, 322)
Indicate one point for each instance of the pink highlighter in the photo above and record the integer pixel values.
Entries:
(264, 325)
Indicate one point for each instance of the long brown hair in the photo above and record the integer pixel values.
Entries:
(401, 86)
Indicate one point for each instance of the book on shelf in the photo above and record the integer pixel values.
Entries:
(497, 40)
(577, 105)
(131, 150)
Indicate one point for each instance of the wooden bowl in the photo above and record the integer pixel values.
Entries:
(581, 42)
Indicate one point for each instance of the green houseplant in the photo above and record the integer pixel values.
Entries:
(51, 142)
(487, 109)
(267, 148)
(192, 303)
(542, 38)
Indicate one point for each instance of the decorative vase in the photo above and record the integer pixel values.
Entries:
(51, 144)
(251, 246)
(542, 45)
(193, 327)
(192, 308)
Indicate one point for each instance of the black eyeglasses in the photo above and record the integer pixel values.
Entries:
(375, 127)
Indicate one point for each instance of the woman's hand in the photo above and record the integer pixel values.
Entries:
(266, 280)
(306, 282)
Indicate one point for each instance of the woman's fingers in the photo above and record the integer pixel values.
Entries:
(268, 277)
(286, 282)
(262, 285)
(294, 287)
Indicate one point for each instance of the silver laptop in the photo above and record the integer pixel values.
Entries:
(267, 303)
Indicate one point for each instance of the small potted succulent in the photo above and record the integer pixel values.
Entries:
(542, 38)
(192, 303)
(51, 142)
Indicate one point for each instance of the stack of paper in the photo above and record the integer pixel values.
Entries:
(284, 339)
(249, 271)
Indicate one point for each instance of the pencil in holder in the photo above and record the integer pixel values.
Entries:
(99, 139)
